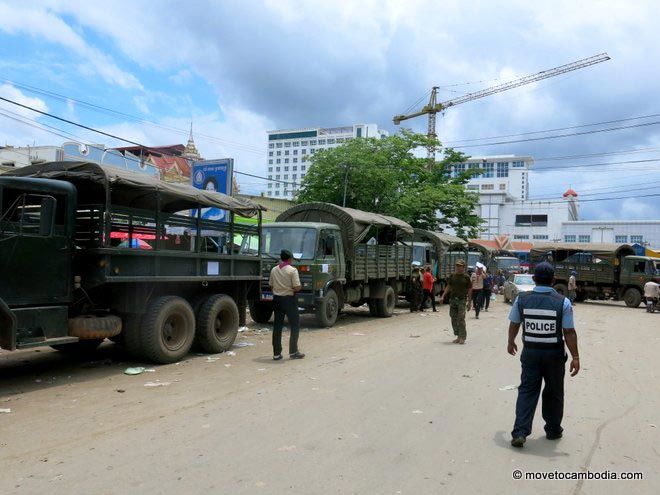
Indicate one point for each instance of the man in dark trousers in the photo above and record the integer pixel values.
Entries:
(427, 284)
(285, 282)
(547, 322)
(459, 288)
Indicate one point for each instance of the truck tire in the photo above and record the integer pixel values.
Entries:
(385, 306)
(78, 348)
(562, 289)
(260, 312)
(131, 335)
(373, 308)
(632, 297)
(217, 324)
(89, 327)
(328, 309)
(167, 330)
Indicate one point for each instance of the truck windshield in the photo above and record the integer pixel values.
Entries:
(419, 254)
(300, 241)
(504, 263)
(473, 258)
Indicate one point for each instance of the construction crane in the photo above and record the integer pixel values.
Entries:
(432, 108)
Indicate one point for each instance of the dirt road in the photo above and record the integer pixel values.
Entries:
(378, 406)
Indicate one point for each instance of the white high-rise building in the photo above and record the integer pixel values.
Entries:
(290, 151)
(504, 203)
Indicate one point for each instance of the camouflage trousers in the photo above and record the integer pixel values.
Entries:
(457, 314)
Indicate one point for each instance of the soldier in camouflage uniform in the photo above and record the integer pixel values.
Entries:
(459, 288)
(415, 289)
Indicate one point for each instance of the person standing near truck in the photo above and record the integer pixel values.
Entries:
(572, 287)
(459, 288)
(415, 288)
(285, 282)
(427, 285)
(488, 287)
(478, 289)
(547, 322)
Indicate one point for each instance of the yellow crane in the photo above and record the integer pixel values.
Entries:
(433, 107)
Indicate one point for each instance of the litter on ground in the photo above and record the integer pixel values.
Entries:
(509, 387)
(137, 370)
(157, 384)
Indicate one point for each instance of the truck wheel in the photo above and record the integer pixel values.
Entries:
(328, 309)
(81, 347)
(632, 297)
(130, 334)
(167, 330)
(562, 289)
(373, 308)
(260, 312)
(87, 327)
(385, 306)
(217, 324)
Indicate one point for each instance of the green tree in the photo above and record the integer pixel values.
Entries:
(384, 176)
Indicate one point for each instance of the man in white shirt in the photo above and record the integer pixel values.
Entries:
(285, 282)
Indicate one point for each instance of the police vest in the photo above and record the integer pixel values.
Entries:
(542, 314)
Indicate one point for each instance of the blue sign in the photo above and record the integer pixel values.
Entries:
(213, 175)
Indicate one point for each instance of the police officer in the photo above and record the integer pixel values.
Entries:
(547, 322)
(459, 287)
(285, 282)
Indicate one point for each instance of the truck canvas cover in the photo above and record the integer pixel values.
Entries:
(604, 251)
(137, 190)
(442, 242)
(354, 224)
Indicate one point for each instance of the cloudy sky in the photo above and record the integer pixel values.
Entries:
(240, 68)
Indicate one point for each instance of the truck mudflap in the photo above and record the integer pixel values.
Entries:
(7, 327)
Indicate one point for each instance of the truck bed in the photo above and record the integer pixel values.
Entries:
(372, 262)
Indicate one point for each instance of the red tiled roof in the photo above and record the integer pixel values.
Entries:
(570, 192)
(510, 246)
(168, 162)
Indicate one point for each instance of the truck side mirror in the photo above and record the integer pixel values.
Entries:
(47, 216)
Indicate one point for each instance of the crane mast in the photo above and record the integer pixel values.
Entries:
(432, 108)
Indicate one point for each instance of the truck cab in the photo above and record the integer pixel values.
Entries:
(36, 247)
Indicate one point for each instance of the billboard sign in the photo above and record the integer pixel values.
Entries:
(213, 175)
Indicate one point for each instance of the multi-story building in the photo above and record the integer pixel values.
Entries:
(643, 232)
(290, 152)
(504, 203)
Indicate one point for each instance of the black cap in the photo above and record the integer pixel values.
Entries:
(544, 272)
(285, 254)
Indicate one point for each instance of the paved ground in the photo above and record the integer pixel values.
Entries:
(378, 406)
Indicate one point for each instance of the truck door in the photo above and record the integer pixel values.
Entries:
(329, 254)
(35, 257)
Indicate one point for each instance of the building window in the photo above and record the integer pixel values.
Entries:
(321, 141)
(270, 177)
(340, 140)
(279, 153)
(472, 187)
(279, 160)
(502, 187)
(295, 167)
(270, 162)
(521, 237)
(295, 152)
(277, 193)
(296, 143)
(286, 160)
(331, 141)
(502, 169)
(270, 185)
(286, 153)
(277, 185)
(294, 176)
(540, 237)
(358, 132)
(303, 143)
(312, 151)
(621, 239)
(277, 177)
(532, 221)
(459, 169)
(270, 153)
(287, 144)
(303, 151)
(636, 239)
(569, 238)
(584, 238)
(302, 167)
(286, 176)
(278, 145)
(488, 168)
(312, 142)
(303, 159)
(518, 164)
(271, 145)
(295, 160)
(270, 193)
(487, 187)
(286, 169)
(270, 169)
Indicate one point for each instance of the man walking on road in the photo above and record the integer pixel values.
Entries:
(572, 287)
(285, 282)
(547, 320)
(477, 289)
(459, 288)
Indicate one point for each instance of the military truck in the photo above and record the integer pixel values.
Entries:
(440, 251)
(604, 271)
(343, 256)
(505, 261)
(90, 252)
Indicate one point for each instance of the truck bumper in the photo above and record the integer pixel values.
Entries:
(7, 327)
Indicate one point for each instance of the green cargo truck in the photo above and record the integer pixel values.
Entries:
(343, 256)
(90, 252)
(604, 271)
(440, 251)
